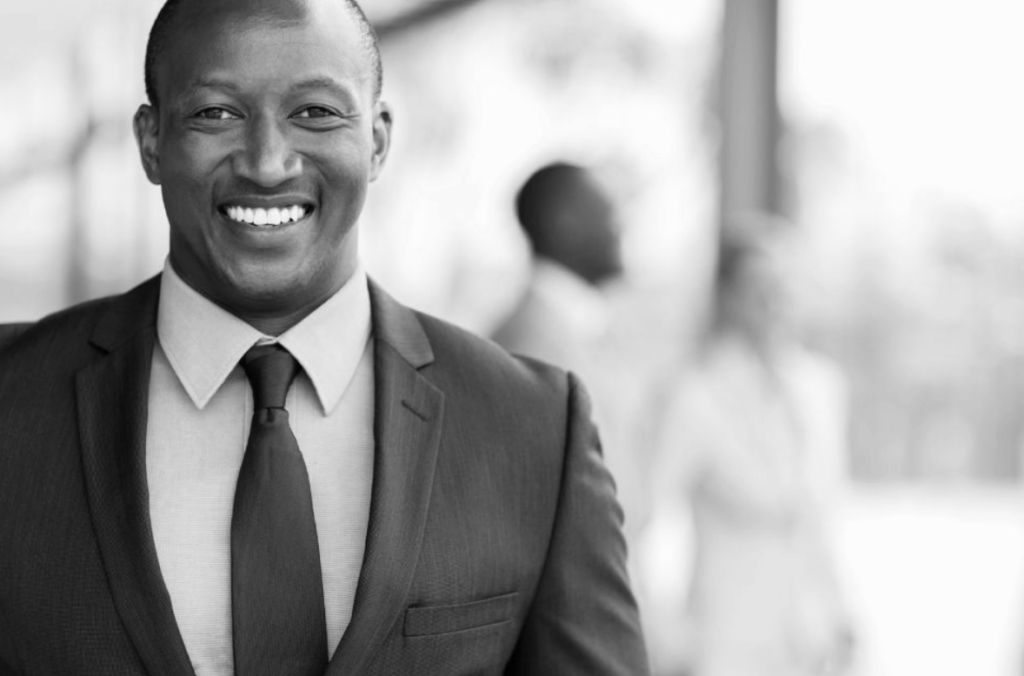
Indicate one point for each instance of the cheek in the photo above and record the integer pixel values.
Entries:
(188, 161)
(344, 156)
(346, 178)
(187, 175)
(186, 203)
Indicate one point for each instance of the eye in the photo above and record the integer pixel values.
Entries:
(216, 113)
(314, 112)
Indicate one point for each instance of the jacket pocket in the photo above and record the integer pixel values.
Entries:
(432, 620)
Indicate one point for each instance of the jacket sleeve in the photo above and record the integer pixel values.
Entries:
(584, 619)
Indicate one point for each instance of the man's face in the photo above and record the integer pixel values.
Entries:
(605, 232)
(266, 138)
(592, 235)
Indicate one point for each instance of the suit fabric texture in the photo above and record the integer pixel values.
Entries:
(494, 542)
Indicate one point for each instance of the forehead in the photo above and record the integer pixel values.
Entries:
(266, 44)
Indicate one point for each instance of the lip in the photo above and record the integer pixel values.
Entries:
(261, 202)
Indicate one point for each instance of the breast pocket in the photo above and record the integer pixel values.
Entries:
(437, 620)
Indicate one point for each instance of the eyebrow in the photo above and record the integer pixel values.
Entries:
(326, 83)
(322, 82)
(209, 83)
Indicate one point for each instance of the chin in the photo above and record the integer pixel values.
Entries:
(284, 288)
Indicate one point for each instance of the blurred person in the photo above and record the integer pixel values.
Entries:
(753, 445)
(572, 228)
(258, 462)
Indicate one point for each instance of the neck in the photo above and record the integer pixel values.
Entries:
(274, 317)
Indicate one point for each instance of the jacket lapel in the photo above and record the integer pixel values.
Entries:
(407, 428)
(112, 395)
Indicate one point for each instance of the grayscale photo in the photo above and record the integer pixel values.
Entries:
(511, 338)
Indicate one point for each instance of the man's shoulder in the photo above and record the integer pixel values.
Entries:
(480, 364)
(501, 400)
(9, 332)
(63, 325)
(62, 334)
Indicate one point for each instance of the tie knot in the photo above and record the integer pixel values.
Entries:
(270, 370)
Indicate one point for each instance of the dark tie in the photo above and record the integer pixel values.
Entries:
(277, 597)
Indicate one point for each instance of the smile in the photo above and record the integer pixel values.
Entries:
(272, 216)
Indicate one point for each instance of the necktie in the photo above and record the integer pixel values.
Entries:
(277, 598)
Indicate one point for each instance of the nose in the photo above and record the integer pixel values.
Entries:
(267, 158)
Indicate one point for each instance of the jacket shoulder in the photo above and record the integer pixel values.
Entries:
(9, 332)
(483, 364)
(57, 331)
(65, 333)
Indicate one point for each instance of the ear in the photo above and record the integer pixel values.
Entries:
(381, 137)
(146, 126)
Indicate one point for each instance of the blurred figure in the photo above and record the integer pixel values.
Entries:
(573, 232)
(753, 444)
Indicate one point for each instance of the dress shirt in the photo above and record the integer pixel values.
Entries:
(200, 411)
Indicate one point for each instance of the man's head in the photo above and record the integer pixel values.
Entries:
(753, 277)
(263, 130)
(569, 219)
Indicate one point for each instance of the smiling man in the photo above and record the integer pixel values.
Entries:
(258, 463)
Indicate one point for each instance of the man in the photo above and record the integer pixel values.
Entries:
(572, 228)
(260, 463)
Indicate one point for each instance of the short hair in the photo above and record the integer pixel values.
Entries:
(160, 35)
(539, 193)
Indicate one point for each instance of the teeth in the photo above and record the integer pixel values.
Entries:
(272, 216)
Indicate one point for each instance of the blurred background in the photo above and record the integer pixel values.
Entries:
(887, 134)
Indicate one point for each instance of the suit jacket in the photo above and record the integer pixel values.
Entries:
(493, 546)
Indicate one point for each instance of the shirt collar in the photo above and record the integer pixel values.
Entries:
(204, 342)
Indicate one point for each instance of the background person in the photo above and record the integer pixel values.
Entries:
(753, 444)
(571, 225)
